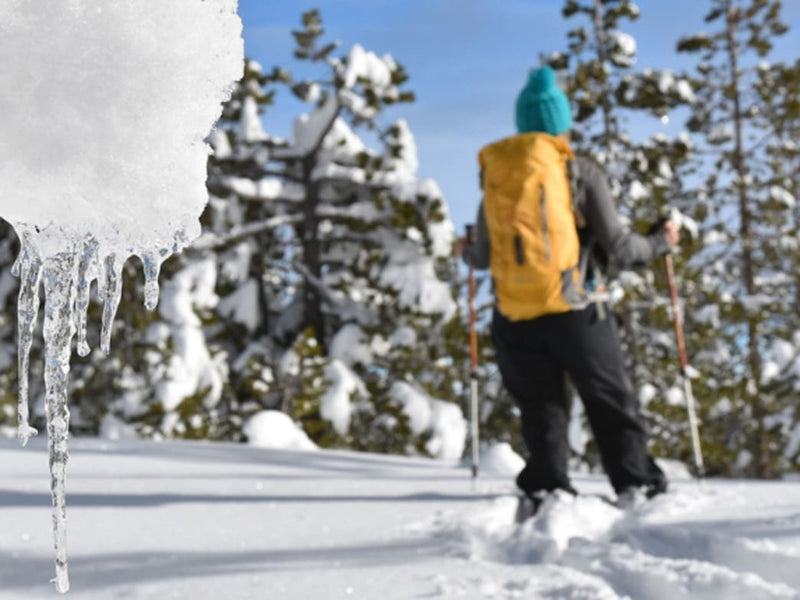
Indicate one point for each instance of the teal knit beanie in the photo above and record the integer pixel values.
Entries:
(542, 106)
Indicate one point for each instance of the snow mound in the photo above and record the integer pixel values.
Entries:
(674, 469)
(274, 429)
(335, 405)
(444, 421)
(500, 459)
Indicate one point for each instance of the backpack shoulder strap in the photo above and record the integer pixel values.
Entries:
(576, 189)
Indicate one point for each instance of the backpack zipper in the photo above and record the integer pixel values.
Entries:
(545, 235)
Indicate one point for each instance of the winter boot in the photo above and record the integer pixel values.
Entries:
(529, 503)
(636, 495)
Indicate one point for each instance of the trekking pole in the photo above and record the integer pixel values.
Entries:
(473, 363)
(684, 364)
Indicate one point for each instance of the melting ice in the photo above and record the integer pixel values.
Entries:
(103, 113)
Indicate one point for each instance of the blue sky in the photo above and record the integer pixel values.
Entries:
(467, 60)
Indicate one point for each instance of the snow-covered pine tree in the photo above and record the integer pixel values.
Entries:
(599, 76)
(325, 238)
(320, 285)
(778, 88)
(729, 283)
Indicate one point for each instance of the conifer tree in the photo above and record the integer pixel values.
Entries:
(333, 260)
(778, 88)
(320, 285)
(600, 78)
(731, 277)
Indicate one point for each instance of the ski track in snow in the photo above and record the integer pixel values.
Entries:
(208, 521)
(595, 550)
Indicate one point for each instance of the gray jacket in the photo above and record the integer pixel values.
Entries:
(603, 226)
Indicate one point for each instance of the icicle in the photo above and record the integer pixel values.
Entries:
(29, 267)
(152, 267)
(113, 292)
(59, 287)
(86, 272)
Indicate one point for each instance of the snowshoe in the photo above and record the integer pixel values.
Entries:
(528, 505)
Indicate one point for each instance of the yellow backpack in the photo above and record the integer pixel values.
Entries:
(533, 237)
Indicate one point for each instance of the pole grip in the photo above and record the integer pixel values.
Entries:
(473, 335)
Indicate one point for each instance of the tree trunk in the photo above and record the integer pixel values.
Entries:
(605, 102)
(312, 300)
(257, 268)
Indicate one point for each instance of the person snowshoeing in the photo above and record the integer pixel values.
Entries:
(547, 227)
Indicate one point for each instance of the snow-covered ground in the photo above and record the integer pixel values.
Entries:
(201, 520)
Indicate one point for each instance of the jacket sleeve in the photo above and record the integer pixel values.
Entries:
(476, 255)
(597, 206)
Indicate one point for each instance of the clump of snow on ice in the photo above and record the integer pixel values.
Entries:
(112, 145)
(442, 420)
(501, 459)
(275, 429)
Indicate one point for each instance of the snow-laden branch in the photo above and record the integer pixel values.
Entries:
(346, 308)
(268, 188)
(213, 241)
(310, 131)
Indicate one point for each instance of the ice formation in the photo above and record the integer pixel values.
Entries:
(103, 114)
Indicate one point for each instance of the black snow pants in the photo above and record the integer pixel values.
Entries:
(533, 357)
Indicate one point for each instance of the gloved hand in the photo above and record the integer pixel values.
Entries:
(668, 229)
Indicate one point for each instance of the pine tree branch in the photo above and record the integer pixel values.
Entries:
(348, 309)
(213, 242)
